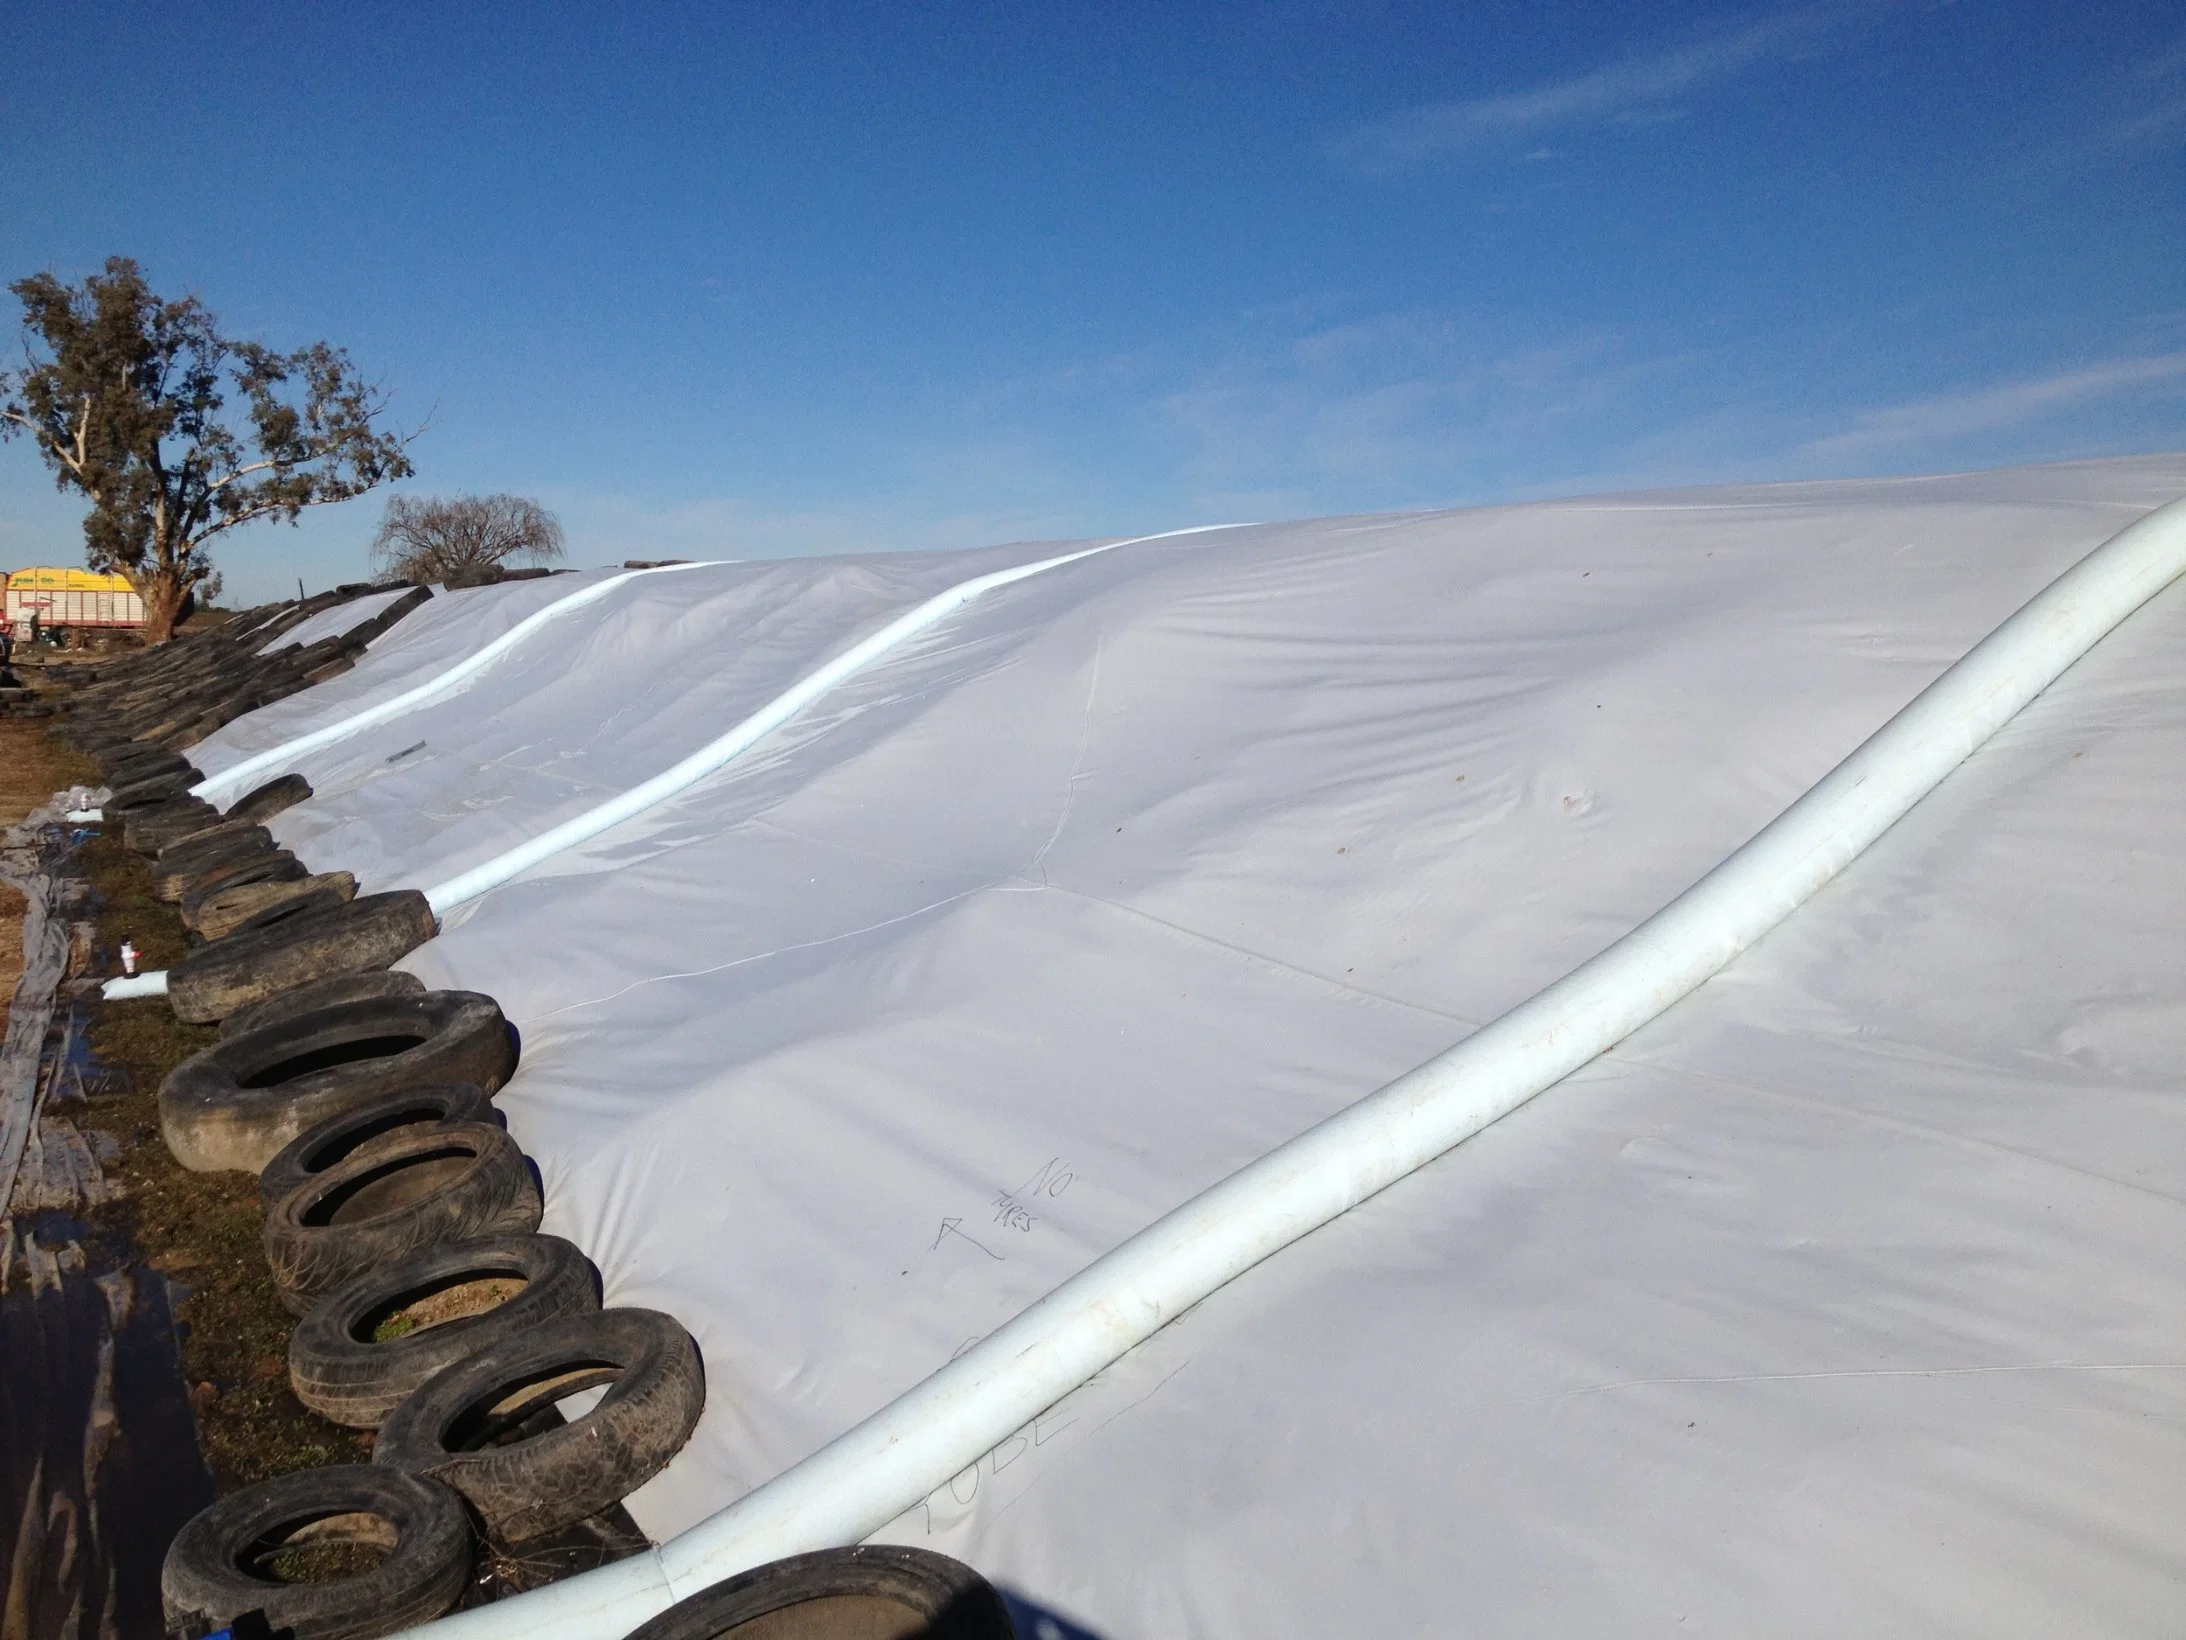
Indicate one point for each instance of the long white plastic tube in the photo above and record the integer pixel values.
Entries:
(860, 1481)
(357, 722)
(717, 753)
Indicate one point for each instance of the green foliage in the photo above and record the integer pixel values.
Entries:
(176, 433)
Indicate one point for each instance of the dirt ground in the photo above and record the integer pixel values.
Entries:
(24, 774)
(201, 1229)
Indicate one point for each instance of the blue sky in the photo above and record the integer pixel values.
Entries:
(738, 279)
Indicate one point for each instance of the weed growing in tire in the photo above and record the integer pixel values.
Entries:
(323, 1562)
(465, 1299)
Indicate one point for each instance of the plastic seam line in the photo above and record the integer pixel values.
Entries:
(716, 754)
(357, 722)
(726, 748)
(869, 1475)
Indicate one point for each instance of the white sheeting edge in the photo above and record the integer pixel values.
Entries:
(712, 756)
(724, 749)
(469, 666)
(860, 1481)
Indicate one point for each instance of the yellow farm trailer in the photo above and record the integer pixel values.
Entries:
(69, 600)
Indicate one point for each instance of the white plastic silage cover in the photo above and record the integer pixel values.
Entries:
(332, 623)
(1844, 1298)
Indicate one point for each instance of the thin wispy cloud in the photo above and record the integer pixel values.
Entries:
(1956, 415)
(1639, 89)
(2154, 115)
(2133, 112)
(1393, 410)
(2162, 126)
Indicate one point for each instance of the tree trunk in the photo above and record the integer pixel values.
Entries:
(164, 596)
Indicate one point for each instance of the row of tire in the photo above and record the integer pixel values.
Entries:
(402, 1229)
(180, 692)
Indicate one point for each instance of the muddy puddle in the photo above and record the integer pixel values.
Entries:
(99, 1456)
(99, 1463)
(103, 1433)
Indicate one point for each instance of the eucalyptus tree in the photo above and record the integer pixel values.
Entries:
(177, 434)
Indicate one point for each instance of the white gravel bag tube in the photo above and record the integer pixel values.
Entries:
(150, 984)
(726, 748)
(868, 1476)
(274, 756)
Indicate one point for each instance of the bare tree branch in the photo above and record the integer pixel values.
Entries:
(430, 539)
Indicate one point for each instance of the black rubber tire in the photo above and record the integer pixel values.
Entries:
(181, 737)
(131, 762)
(143, 791)
(134, 760)
(206, 840)
(262, 803)
(415, 598)
(220, 903)
(133, 791)
(204, 1577)
(227, 867)
(222, 868)
(540, 1482)
(147, 831)
(371, 931)
(339, 1372)
(418, 1187)
(278, 867)
(239, 1102)
(307, 904)
(316, 1149)
(128, 759)
(320, 995)
(278, 689)
(875, 1589)
(181, 866)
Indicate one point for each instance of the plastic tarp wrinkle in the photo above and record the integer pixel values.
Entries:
(1004, 950)
(234, 776)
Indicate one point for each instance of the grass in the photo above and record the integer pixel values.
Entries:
(448, 1304)
(202, 1229)
(327, 1562)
